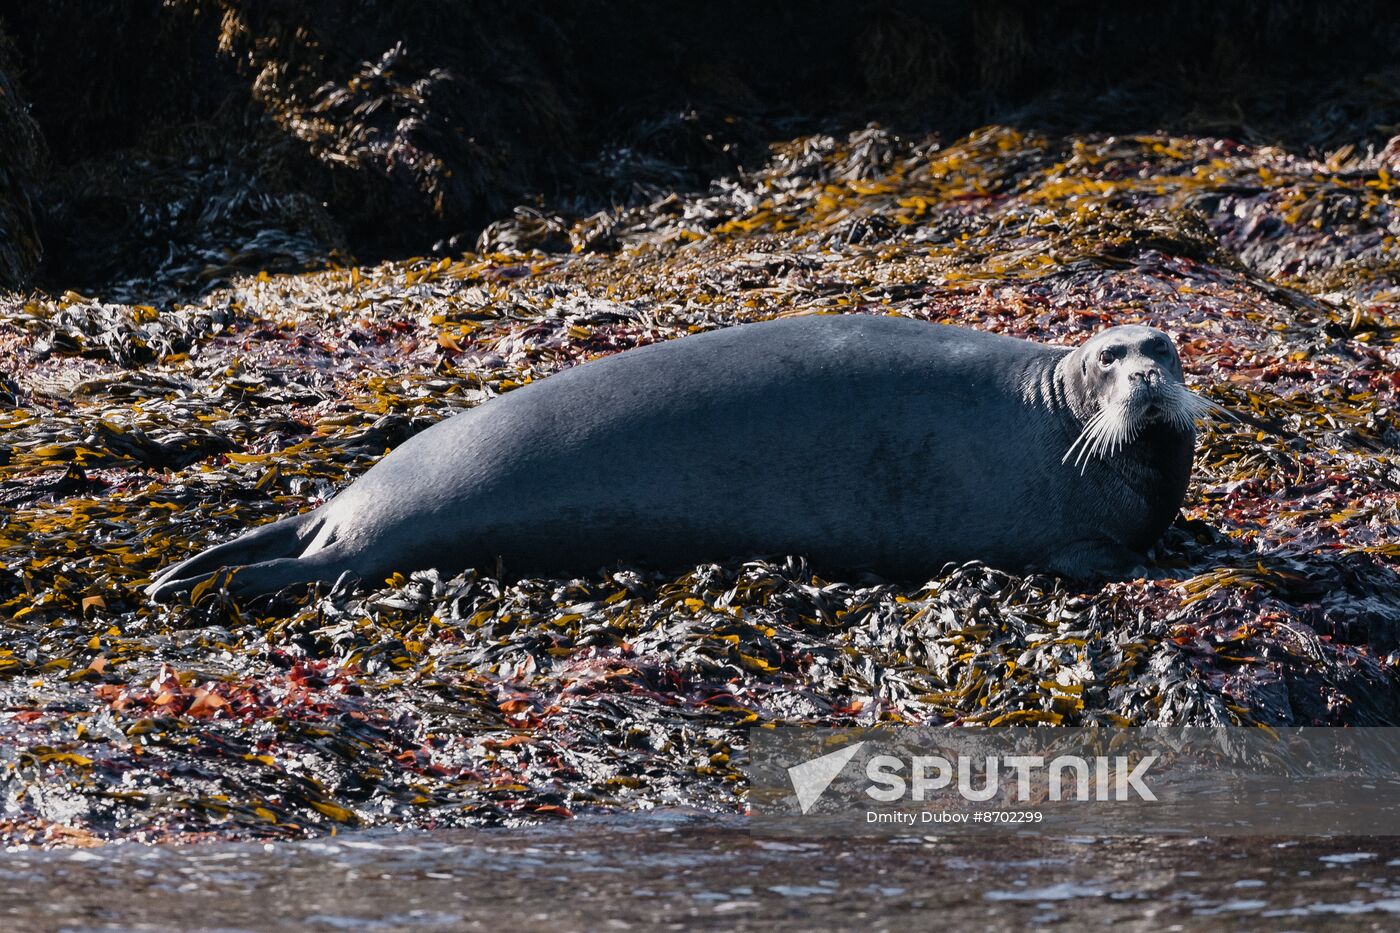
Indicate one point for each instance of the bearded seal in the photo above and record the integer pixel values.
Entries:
(873, 443)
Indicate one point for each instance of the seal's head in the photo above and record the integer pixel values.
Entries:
(1123, 381)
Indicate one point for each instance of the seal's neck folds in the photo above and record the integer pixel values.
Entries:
(1046, 384)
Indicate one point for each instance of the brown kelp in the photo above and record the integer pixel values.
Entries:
(135, 435)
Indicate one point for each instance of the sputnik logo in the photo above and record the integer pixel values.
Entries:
(811, 778)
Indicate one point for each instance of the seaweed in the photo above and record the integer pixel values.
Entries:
(139, 433)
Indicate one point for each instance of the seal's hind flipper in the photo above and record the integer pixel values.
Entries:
(265, 577)
(326, 566)
(281, 539)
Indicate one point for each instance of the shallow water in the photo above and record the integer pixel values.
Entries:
(668, 870)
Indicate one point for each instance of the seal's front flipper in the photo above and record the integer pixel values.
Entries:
(1099, 561)
(280, 539)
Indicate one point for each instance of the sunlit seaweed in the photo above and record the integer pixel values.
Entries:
(134, 436)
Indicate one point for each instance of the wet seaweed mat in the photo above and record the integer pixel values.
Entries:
(135, 436)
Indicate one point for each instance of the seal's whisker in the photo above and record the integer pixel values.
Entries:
(1082, 458)
(1088, 453)
(1215, 407)
(1091, 450)
(1098, 436)
(1113, 433)
(1181, 412)
(1196, 407)
(1130, 434)
(1089, 437)
(1084, 435)
(1103, 443)
(1113, 429)
(1120, 437)
(1177, 408)
(1092, 436)
(1121, 423)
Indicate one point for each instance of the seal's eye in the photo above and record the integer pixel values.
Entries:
(1106, 357)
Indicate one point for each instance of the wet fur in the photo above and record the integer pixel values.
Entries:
(876, 443)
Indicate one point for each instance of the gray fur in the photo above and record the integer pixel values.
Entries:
(878, 443)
